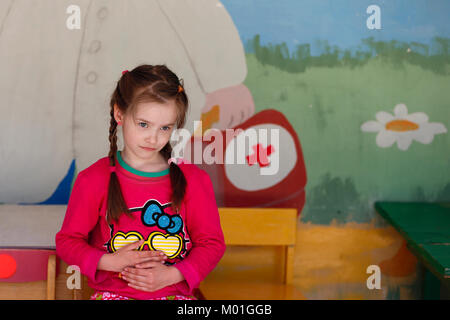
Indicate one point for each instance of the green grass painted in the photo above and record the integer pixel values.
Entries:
(327, 106)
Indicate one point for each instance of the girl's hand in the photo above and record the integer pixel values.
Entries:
(128, 256)
(151, 276)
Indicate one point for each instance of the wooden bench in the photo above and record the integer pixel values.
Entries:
(27, 274)
(256, 227)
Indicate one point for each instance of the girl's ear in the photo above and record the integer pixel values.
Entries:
(117, 114)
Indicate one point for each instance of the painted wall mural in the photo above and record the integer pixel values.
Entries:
(337, 81)
(58, 81)
(360, 101)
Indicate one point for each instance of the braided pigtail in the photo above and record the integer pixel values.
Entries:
(115, 203)
(177, 179)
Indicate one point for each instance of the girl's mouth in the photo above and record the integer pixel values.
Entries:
(148, 149)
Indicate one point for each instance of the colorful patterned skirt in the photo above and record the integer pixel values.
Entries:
(105, 295)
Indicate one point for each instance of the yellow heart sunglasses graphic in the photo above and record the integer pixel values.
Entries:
(171, 245)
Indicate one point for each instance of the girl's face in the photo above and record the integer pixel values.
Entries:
(147, 131)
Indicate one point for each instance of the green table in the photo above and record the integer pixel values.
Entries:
(426, 228)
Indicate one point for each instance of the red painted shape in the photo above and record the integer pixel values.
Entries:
(288, 193)
(31, 264)
(8, 266)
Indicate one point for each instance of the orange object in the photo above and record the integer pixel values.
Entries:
(210, 117)
(401, 125)
(402, 264)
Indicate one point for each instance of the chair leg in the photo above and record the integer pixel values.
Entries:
(51, 275)
(289, 264)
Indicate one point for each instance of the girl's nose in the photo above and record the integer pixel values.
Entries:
(151, 137)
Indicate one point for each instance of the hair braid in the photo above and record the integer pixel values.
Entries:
(112, 139)
(177, 179)
(116, 202)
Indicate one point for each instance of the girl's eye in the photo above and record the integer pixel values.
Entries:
(142, 124)
(165, 128)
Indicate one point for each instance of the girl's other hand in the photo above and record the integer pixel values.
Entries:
(129, 256)
(152, 276)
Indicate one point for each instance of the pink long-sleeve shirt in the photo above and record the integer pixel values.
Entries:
(192, 238)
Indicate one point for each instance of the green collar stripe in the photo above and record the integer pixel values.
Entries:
(140, 173)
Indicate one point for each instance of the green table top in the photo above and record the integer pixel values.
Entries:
(426, 228)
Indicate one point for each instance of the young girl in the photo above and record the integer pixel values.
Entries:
(139, 225)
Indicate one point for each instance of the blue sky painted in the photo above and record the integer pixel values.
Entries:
(340, 22)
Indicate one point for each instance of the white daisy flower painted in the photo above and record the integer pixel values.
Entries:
(402, 128)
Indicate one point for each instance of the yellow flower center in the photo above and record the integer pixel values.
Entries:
(401, 125)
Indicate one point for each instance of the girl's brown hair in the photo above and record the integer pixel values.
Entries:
(145, 83)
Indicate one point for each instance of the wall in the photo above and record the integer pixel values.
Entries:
(362, 113)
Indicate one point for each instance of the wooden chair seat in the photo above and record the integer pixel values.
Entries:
(257, 227)
(238, 290)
